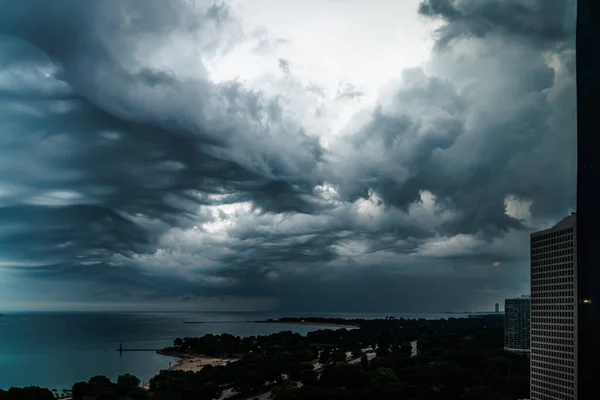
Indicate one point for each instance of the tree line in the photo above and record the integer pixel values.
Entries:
(459, 358)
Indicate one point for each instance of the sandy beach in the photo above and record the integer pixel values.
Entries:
(195, 364)
(323, 324)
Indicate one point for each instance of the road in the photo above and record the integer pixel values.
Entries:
(227, 393)
(370, 356)
(317, 366)
(262, 396)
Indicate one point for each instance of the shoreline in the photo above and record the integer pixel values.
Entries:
(196, 363)
(308, 323)
(191, 363)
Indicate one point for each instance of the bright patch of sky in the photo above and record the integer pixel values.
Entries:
(345, 52)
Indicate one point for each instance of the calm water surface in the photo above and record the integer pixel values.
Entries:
(54, 350)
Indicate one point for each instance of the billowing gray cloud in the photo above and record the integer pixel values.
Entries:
(284, 66)
(347, 90)
(545, 23)
(126, 166)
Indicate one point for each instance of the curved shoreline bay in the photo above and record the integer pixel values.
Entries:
(55, 350)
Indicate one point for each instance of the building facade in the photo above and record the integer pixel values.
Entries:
(554, 312)
(497, 308)
(517, 324)
(588, 212)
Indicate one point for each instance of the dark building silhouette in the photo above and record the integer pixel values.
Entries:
(497, 308)
(565, 329)
(517, 324)
(588, 189)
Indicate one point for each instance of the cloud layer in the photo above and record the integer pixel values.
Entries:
(126, 166)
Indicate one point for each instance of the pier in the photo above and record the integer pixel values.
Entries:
(121, 349)
(220, 322)
(217, 322)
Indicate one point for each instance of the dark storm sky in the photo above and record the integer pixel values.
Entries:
(129, 181)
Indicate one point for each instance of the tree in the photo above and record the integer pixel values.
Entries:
(137, 394)
(100, 380)
(28, 393)
(248, 381)
(325, 356)
(128, 386)
(284, 391)
(343, 375)
(481, 392)
(183, 385)
(383, 376)
(128, 381)
(405, 349)
(383, 351)
(303, 372)
(314, 350)
(390, 391)
(80, 390)
(310, 393)
(338, 355)
(364, 361)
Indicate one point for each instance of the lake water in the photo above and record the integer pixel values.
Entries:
(55, 350)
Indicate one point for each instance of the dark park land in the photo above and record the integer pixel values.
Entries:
(458, 358)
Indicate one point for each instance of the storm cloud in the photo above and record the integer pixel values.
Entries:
(125, 166)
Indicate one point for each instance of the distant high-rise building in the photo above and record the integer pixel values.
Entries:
(497, 308)
(554, 311)
(517, 324)
(588, 212)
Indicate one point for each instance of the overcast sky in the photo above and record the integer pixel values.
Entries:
(297, 155)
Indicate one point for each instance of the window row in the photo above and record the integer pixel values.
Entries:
(555, 313)
(561, 246)
(539, 342)
(551, 235)
(545, 394)
(566, 376)
(552, 392)
(551, 347)
(538, 333)
(554, 365)
(551, 329)
(538, 307)
(565, 273)
(551, 260)
(551, 254)
(555, 321)
(554, 292)
(549, 355)
(552, 284)
(542, 298)
(553, 267)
